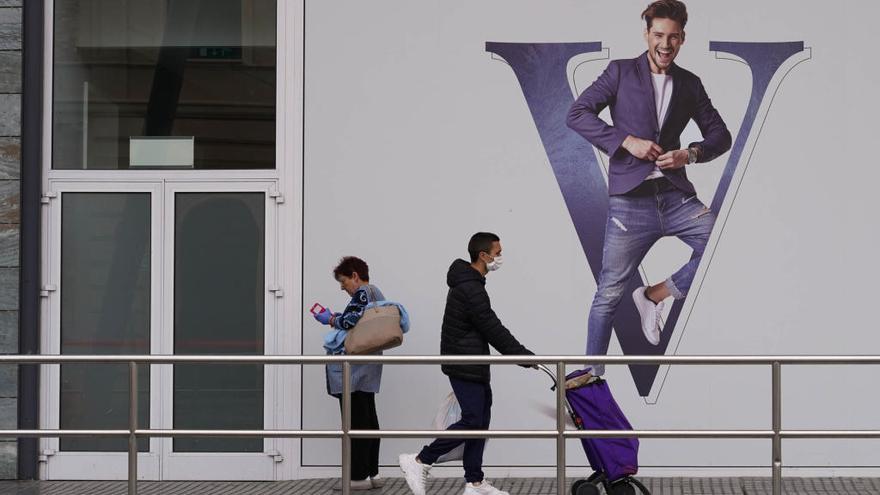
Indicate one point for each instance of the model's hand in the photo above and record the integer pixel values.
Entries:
(642, 148)
(324, 316)
(672, 160)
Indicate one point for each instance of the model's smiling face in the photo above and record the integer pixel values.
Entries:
(664, 39)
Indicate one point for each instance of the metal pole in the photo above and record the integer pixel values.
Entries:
(560, 428)
(31, 224)
(777, 426)
(346, 427)
(132, 427)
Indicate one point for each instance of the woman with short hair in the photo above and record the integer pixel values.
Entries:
(353, 276)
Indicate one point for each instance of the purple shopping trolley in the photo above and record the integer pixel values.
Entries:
(614, 460)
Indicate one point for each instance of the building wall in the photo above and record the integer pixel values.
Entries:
(10, 168)
(366, 121)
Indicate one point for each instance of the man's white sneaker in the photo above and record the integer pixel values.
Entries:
(650, 314)
(415, 472)
(484, 488)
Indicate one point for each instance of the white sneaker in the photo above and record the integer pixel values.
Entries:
(377, 482)
(484, 488)
(415, 472)
(650, 315)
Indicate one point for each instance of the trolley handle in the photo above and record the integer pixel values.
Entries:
(549, 373)
(576, 420)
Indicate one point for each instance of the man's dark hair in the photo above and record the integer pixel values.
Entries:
(350, 265)
(481, 242)
(666, 9)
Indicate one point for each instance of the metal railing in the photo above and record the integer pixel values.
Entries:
(776, 433)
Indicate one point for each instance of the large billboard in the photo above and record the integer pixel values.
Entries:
(428, 121)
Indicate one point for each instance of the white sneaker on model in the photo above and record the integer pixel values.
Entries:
(650, 315)
(484, 488)
(415, 472)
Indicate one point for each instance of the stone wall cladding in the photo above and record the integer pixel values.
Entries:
(10, 197)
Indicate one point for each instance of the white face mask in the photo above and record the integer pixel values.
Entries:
(495, 264)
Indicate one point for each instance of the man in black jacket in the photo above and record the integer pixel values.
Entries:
(469, 328)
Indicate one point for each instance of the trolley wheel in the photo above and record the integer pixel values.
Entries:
(577, 484)
(586, 488)
(640, 486)
(621, 487)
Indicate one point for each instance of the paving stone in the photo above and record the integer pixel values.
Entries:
(442, 486)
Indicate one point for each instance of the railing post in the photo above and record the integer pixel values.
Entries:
(777, 427)
(560, 428)
(346, 427)
(132, 427)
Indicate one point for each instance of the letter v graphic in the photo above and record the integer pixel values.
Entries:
(542, 72)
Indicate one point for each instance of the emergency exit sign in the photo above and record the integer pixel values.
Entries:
(216, 53)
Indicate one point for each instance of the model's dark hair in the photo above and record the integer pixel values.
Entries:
(350, 265)
(666, 9)
(481, 242)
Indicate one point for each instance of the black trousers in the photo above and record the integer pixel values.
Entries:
(364, 451)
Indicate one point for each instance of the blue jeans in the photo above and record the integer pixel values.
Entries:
(635, 223)
(475, 399)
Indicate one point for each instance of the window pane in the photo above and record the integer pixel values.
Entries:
(105, 309)
(219, 308)
(201, 71)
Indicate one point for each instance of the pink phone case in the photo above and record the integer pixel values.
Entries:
(316, 308)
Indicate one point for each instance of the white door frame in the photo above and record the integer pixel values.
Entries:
(288, 176)
(289, 152)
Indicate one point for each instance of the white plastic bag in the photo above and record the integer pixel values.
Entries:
(448, 414)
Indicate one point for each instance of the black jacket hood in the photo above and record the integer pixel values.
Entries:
(460, 271)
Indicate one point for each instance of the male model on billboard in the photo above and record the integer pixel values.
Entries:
(651, 101)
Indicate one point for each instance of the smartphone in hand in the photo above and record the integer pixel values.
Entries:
(316, 308)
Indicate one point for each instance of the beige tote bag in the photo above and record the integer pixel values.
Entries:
(377, 330)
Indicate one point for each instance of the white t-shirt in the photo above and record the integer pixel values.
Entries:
(662, 95)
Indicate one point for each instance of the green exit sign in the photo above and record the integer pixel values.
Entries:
(216, 52)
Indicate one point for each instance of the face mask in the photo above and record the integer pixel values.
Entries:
(495, 264)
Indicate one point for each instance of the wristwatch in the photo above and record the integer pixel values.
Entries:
(693, 155)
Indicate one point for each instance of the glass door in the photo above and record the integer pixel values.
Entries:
(163, 268)
(220, 299)
(104, 253)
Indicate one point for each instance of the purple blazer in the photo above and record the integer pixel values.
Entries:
(627, 88)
